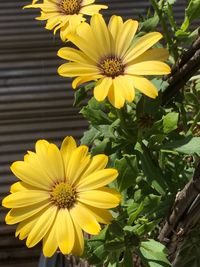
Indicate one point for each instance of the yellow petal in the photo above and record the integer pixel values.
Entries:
(104, 198)
(20, 214)
(86, 33)
(79, 80)
(30, 175)
(102, 87)
(145, 86)
(115, 26)
(97, 162)
(77, 69)
(64, 231)
(74, 21)
(50, 243)
(24, 227)
(87, 2)
(125, 36)
(52, 22)
(102, 35)
(39, 164)
(79, 241)
(77, 163)
(46, 16)
(41, 148)
(44, 7)
(148, 68)
(102, 215)
(67, 147)
(56, 163)
(92, 9)
(115, 95)
(125, 84)
(42, 226)
(20, 186)
(97, 179)
(142, 45)
(24, 198)
(84, 45)
(85, 219)
(75, 55)
(160, 54)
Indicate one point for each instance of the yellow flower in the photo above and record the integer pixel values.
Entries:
(66, 15)
(108, 54)
(61, 193)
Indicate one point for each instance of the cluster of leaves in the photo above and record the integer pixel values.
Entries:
(155, 149)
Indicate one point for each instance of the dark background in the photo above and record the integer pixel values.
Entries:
(36, 103)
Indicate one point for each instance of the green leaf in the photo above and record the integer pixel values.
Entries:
(101, 147)
(145, 228)
(134, 212)
(187, 145)
(128, 258)
(151, 169)
(153, 254)
(94, 248)
(89, 136)
(94, 113)
(114, 245)
(128, 171)
(186, 37)
(170, 122)
(149, 24)
(81, 94)
(191, 13)
(151, 203)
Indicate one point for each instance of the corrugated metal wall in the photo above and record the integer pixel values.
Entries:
(34, 101)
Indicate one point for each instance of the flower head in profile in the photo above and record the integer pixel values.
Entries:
(61, 193)
(110, 55)
(66, 15)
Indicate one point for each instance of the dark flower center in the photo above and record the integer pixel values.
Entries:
(63, 195)
(111, 66)
(70, 7)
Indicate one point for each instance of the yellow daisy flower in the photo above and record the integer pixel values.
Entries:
(108, 54)
(66, 15)
(61, 193)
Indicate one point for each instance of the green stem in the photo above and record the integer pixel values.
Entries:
(120, 115)
(165, 29)
(196, 120)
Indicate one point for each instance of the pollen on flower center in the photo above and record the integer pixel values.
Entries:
(111, 66)
(63, 195)
(71, 7)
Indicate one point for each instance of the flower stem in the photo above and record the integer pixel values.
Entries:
(120, 115)
(165, 29)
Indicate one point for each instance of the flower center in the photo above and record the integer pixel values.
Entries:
(71, 7)
(63, 195)
(111, 66)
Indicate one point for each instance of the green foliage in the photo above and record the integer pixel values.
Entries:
(170, 122)
(187, 145)
(151, 170)
(191, 13)
(93, 113)
(153, 254)
(81, 94)
(149, 144)
(128, 171)
(149, 24)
